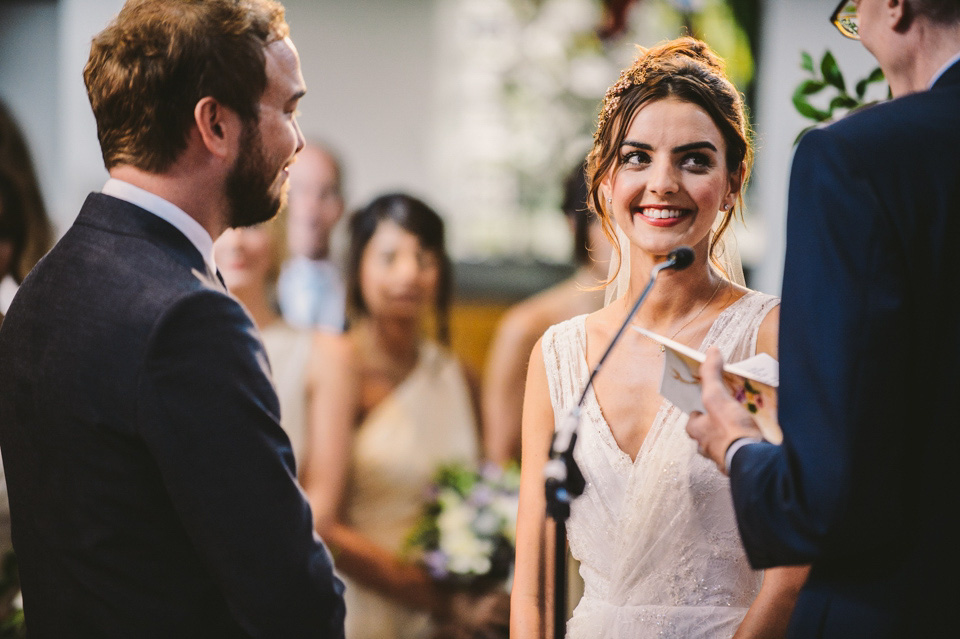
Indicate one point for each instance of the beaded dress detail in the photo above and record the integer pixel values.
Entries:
(657, 539)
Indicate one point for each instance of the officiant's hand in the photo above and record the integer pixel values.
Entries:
(725, 421)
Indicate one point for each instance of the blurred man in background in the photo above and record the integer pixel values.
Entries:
(311, 291)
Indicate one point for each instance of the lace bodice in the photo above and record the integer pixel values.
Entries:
(657, 539)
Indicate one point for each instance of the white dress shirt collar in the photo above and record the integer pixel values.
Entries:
(8, 288)
(943, 69)
(167, 211)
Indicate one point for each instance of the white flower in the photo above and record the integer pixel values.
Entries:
(506, 507)
(456, 519)
(487, 522)
(467, 553)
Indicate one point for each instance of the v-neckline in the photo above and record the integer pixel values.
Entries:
(593, 404)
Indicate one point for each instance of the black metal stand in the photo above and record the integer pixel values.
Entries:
(564, 481)
(560, 492)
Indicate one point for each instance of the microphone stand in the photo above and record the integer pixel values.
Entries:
(563, 480)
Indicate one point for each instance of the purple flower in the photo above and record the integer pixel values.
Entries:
(431, 492)
(490, 472)
(436, 563)
(481, 496)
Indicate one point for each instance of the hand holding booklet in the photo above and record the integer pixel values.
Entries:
(753, 382)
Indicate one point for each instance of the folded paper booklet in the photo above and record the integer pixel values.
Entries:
(753, 382)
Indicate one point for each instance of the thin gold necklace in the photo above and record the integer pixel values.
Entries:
(699, 313)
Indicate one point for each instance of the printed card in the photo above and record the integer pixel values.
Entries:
(753, 382)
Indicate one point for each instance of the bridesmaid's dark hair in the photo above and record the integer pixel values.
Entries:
(413, 216)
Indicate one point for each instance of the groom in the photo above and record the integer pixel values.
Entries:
(865, 484)
(152, 489)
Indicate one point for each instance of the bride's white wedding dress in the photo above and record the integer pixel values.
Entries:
(657, 540)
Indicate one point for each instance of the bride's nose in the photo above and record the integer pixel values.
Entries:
(662, 178)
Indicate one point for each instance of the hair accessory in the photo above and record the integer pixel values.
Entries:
(633, 76)
(655, 61)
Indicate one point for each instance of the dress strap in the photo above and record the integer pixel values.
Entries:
(736, 329)
(563, 357)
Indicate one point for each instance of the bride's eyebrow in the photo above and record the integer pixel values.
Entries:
(704, 144)
(638, 145)
(695, 145)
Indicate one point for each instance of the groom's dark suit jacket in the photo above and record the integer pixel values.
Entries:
(152, 490)
(867, 483)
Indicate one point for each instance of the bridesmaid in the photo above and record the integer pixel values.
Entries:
(392, 404)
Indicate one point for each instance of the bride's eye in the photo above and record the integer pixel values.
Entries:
(697, 161)
(635, 158)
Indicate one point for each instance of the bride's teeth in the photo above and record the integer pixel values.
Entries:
(659, 214)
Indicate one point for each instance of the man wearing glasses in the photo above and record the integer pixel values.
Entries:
(864, 486)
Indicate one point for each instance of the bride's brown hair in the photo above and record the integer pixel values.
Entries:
(686, 69)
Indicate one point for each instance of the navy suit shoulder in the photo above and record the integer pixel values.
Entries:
(148, 475)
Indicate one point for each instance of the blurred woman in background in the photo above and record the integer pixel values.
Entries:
(25, 232)
(392, 404)
(25, 236)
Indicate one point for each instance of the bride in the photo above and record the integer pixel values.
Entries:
(654, 530)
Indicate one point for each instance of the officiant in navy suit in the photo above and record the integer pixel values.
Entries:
(865, 484)
(152, 490)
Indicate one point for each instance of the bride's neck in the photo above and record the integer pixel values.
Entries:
(675, 295)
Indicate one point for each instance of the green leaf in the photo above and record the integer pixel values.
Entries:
(806, 61)
(809, 87)
(831, 72)
(843, 101)
(809, 111)
(875, 76)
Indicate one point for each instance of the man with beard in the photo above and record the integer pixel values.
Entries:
(152, 489)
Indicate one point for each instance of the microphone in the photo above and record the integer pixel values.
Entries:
(682, 257)
(564, 481)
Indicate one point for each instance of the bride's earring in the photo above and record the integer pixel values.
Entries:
(609, 200)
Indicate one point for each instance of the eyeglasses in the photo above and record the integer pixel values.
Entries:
(846, 21)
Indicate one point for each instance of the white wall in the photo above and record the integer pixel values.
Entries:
(370, 72)
(789, 27)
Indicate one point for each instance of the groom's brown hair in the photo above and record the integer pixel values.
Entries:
(148, 69)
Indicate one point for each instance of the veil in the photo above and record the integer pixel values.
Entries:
(731, 268)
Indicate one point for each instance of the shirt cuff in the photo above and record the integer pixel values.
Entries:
(734, 447)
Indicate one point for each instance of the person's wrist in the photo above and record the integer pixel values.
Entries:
(734, 446)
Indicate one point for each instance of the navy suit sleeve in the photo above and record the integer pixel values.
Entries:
(832, 487)
(209, 415)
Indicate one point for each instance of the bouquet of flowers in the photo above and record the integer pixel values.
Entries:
(467, 532)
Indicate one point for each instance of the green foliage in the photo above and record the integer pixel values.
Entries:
(11, 615)
(829, 77)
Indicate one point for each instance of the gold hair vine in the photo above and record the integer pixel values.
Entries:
(634, 76)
